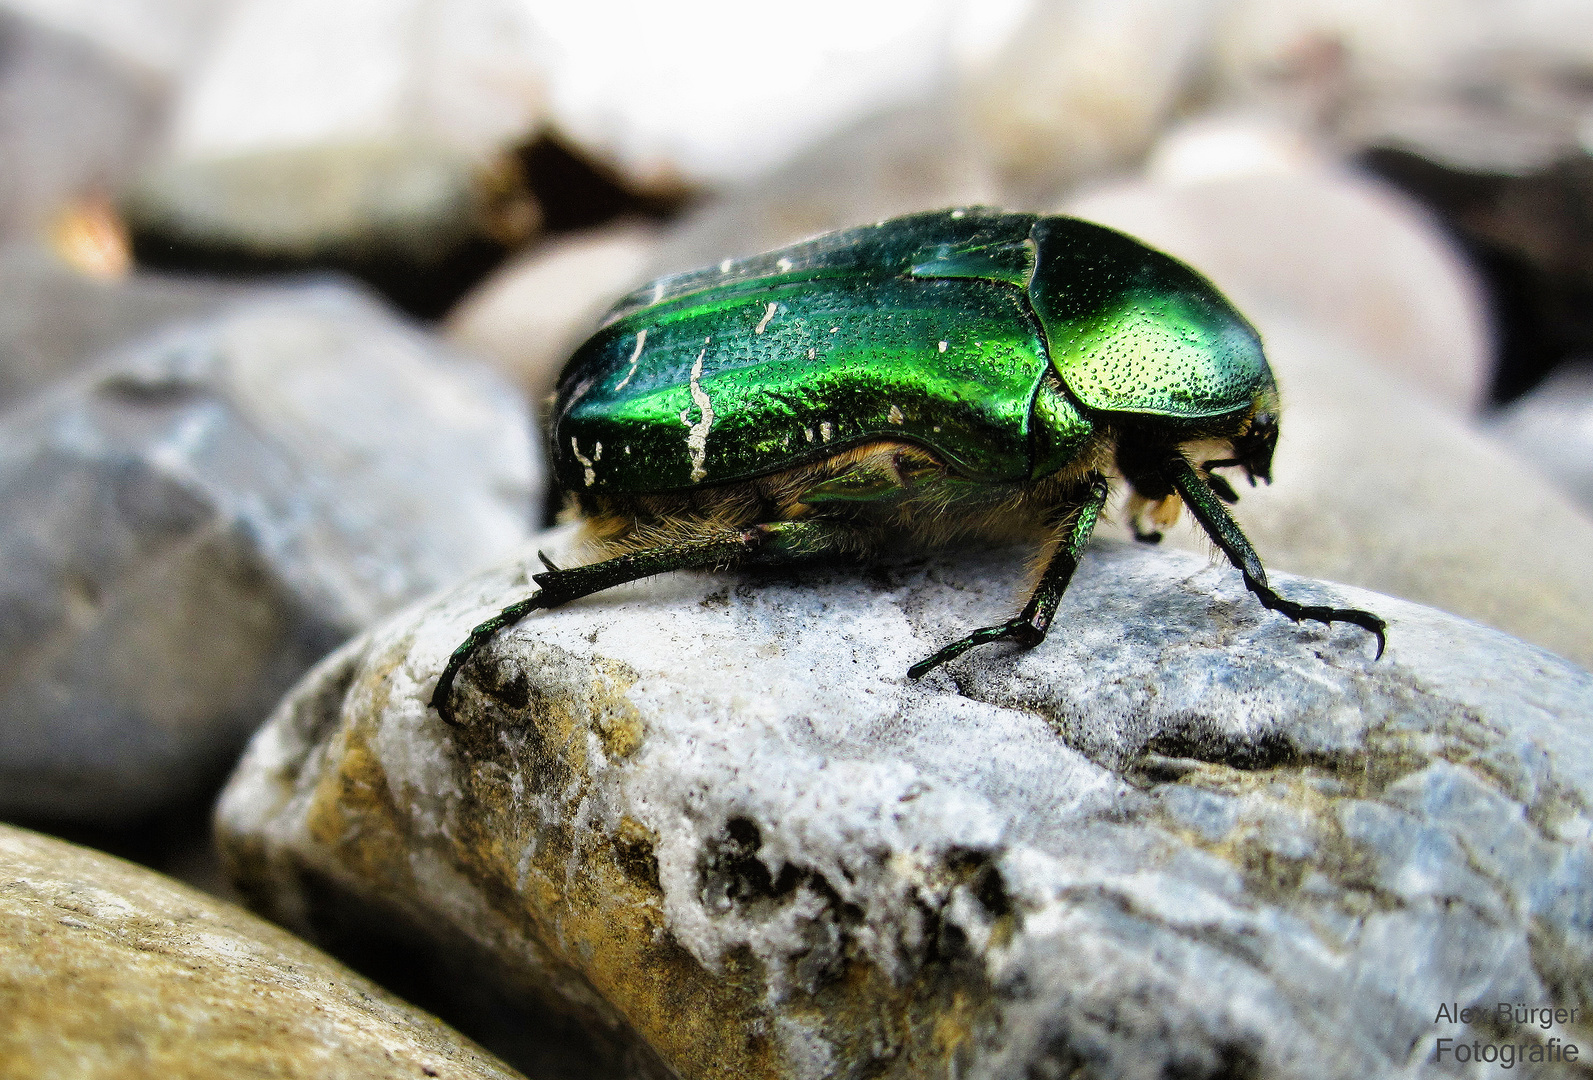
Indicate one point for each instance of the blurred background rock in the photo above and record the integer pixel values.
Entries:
(1398, 192)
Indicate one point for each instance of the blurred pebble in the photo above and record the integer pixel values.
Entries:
(158, 37)
(56, 318)
(110, 970)
(531, 313)
(189, 526)
(1083, 88)
(1269, 220)
(74, 121)
(417, 221)
(685, 95)
(913, 158)
(1529, 226)
(284, 74)
(1370, 47)
(1552, 427)
(382, 149)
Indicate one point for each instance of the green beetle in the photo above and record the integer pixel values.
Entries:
(962, 375)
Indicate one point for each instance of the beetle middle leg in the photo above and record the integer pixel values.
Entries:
(1034, 622)
(713, 547)
(1207, 507)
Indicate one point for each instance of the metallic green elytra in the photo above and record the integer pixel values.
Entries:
(931, 379)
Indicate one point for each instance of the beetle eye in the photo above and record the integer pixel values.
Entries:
(1254, 448)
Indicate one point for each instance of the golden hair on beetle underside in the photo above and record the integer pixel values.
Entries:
(925, 504)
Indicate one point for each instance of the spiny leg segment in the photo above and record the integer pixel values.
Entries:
(1031, 626)
(780, 541)
(1207, 507)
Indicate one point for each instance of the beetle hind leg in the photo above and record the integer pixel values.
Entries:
(715, 546)
(1032, 625)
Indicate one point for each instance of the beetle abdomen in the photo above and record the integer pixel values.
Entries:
(744, 381)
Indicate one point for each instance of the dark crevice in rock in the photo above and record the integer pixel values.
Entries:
(732, 876)
(1249, 752)
(538, 1032)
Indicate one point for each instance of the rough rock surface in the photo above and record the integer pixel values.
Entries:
(108, 970)
(1184, 837)
(189, 526)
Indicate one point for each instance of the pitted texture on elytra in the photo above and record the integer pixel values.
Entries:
(1133, 330)
(936, 329)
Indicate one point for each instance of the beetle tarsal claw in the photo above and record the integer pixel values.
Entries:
(1321, 613)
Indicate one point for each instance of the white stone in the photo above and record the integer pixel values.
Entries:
(1084, 86)
(705, 92)
(284, 74)
(1182, 834)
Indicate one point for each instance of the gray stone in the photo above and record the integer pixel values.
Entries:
(56, 320)
(1553, 428)
(1184, 836)
(185, 528)
(108, 970)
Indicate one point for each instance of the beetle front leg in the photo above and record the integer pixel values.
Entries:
(1207, 507)
(779, 541)
(1031, 626)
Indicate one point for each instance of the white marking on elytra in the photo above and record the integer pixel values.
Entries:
(808, 433)
(825, 430)
(636, 358)
(955, 214)
(627, 451)
(833, 329)
(586, 462)
(813, 354)
(768, 313)
(783, 265)
(724, 266)
(697, 434)
(942, 346)
(597, 452)
(896, 415)
(658, 290)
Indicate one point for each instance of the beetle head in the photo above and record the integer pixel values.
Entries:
(1253, 447)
